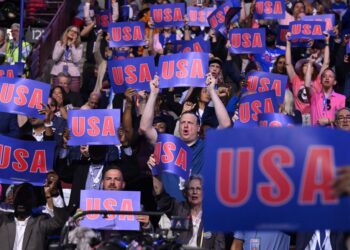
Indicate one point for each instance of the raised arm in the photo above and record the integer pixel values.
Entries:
(220, 110)
(115, 11)
(97, 51)
(289, 65)
(308, 76)
(146, 123)
(127, 114)
(86, 30)
(326, 56)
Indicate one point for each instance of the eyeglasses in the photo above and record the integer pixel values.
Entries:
(327, 103)
(343, 118)
(197, 189)
(76, 31)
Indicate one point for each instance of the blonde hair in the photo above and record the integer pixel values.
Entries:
(77, 41)
(289, 102)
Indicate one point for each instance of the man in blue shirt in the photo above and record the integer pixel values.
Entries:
(189, 132)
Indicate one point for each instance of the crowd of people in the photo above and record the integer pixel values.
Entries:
(317, 94)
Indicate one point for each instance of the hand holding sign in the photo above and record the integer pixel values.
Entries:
(326, 37)
(47, 112)
(50, 187)
(144, 220)
(211, 81)
(288, 35)
(129, 94)
(341, 184)
(154, 85)
(151, 163)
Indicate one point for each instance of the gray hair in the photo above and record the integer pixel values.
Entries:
(16, 26)
(66, 75)
(338, 111)
(192, 177)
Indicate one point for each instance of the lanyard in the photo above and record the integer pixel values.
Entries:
(66, 54)
(95, 179)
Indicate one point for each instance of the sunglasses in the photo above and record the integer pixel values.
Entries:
(327, 103)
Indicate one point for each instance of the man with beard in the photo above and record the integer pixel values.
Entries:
(113, 180)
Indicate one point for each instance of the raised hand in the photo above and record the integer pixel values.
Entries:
(129, 94)
(211, 81)
(154, 84)
(151, 162)
(47, 112)
(188, 106)
(50, 186)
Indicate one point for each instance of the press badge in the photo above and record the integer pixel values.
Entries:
(255, 244)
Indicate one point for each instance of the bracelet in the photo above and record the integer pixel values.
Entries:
(327, 44)
(48, 197)
(48, 124)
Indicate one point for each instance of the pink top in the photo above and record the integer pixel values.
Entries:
(301, 100)
(319, 107)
